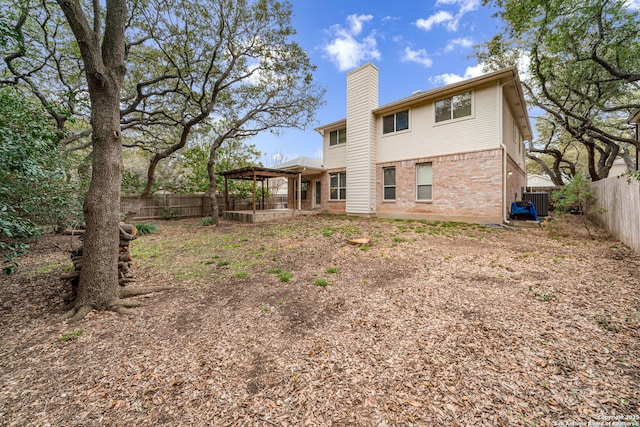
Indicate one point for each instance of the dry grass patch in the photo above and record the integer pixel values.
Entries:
(432, 324)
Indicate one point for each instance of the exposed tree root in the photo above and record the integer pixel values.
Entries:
(123, 310)
(118, 305)
(76, 313)
(127, 292)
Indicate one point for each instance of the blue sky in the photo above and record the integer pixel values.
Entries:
(416, 45)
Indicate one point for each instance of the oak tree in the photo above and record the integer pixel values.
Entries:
(583, 72)
(189, 64)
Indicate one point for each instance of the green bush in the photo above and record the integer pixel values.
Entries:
(206, 221)
(38, 188)
(169, 213)
(146, 228)
(576, 197)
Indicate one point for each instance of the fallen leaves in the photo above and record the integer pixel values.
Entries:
(445, 329)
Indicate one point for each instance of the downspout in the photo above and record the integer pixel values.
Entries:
(505, 218)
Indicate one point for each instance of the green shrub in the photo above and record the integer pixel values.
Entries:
(146, 228)
(169, 213)
(206, 221)
(576, 197)
(38, 183)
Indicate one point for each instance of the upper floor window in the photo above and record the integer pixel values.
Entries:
(338, 136)
(453, 108)
(395, 122)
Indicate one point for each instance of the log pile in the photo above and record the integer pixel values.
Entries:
(128, 232)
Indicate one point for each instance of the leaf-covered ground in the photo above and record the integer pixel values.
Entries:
(289, 324)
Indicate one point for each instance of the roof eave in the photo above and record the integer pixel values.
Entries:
(336, 124)
(635, 118)
(429, 95)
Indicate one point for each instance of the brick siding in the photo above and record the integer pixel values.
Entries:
(466, 186)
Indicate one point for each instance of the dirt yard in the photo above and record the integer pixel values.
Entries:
(288, 324)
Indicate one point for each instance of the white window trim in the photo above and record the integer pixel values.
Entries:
(395, 132)
(459, 119)
(338, 187)
(339, 144)
(418, 200)
(384, 186)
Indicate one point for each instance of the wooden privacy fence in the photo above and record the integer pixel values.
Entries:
(168, 206)
(621, 204)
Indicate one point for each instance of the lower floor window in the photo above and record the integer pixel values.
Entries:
(388, 183)
(424, 181)
(303, 190)
(338, 186)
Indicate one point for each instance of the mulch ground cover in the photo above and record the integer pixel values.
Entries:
(289, 324)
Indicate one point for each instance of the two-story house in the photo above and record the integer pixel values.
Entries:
(452, 153)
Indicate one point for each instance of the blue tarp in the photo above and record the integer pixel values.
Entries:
(524, 210)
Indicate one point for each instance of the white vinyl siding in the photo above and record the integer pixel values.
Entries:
(428, 138)
(334, 157)
(362, 98)
(511, 136)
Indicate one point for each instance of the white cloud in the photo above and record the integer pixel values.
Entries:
(465, 5)
(355, 22)
(448, 78)
(419, 56)
(449, 20)
(464, 42)
(346, 50)
(438, 18)
(522, 65)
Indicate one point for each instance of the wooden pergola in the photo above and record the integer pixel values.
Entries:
(256, 174)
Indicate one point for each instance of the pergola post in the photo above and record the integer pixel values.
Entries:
(259, 173)
(254, 192)
(299, 191)
(226, 195)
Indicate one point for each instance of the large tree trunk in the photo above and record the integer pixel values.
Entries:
(103, 57)
(98, 286)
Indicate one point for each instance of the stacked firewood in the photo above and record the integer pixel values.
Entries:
(128, 232)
